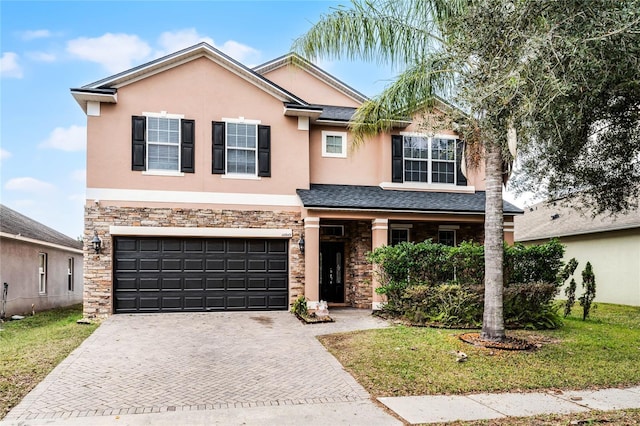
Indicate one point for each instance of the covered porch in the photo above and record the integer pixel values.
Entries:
(344, 223)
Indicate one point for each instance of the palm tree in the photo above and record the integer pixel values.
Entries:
(560, 78)
(421, 37)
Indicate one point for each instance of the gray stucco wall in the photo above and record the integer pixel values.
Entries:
(19, 264)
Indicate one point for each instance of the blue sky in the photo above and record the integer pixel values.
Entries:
(46, 48)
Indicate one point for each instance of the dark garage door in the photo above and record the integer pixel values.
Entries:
(197, 274)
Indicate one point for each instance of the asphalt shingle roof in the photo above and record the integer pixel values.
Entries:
(337, 113)
(14, 223)
(551, 219)
(358, 197)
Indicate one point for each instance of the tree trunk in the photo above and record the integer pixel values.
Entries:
(493, 319)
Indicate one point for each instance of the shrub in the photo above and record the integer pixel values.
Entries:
(431, 283)
(589, 285)
(300, 307)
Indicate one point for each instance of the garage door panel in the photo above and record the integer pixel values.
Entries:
(151, 265)
(193, 284)
(191, 274)
(149, 245)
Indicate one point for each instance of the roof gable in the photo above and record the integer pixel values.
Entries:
(19, 225)
(293, 60)
(105, 90)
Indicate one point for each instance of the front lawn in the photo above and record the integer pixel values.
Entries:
(32, 347)
(600, 352)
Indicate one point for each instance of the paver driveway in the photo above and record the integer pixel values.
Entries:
(200, 361)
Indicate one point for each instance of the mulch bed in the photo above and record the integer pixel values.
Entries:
(312, 319)
(508, 344)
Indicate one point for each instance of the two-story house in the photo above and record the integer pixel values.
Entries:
(213, 186)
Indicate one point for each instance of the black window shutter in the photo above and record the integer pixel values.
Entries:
(217, 147)
(138, 142)
(264, 151)
(188, 146)
(461, 180)
(396, 158)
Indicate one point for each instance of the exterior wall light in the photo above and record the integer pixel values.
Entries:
(301, 244)
(96, 242)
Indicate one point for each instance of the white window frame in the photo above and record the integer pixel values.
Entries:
(42, 272)
(71, 274)
(430, 160)
(234, 175)
(342, 135)
(163, 172)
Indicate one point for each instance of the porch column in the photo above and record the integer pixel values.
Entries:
(379, 237)
(312, 261)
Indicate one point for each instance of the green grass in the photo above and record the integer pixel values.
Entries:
(32, 347)
(600, 352)
(617, 417)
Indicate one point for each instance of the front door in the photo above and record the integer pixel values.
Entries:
(332, 272)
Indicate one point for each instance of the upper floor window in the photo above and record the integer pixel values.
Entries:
(163, 143)
(241, 148)
(334, 144)
(417, 158)
(42, 273)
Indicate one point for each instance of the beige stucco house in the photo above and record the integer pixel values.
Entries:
(39, 266)
(610, 243)
(213, 186)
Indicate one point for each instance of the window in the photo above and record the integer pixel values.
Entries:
(242, 149)
(332, 230)
(334, 144)
(399, 235)
(429, 160)
(447, 237)
(422, 159)
(70, 274)
(42, 273)
(162, 144)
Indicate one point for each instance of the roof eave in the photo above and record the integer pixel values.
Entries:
(83, 96)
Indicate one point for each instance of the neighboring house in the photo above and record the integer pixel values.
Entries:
(214, 186)
(41, 266)
(611, 244)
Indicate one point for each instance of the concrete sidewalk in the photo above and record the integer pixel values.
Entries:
(445, 408)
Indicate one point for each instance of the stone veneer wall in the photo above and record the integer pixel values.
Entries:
(98, 268)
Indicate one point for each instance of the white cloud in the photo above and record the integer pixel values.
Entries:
(238, 51)
(79, 175)
(9, 66)
(33, 34)
(115, 52)
(28, 184)
(4, 154)
(172, 41)
(73, 138)
(77, 198)
(42, 56)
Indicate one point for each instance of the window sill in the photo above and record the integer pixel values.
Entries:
(240, 177)
(428, 187)
(334, 155)
(162, 173)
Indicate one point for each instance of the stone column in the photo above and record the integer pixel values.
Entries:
(379, 237)
(312, 261)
